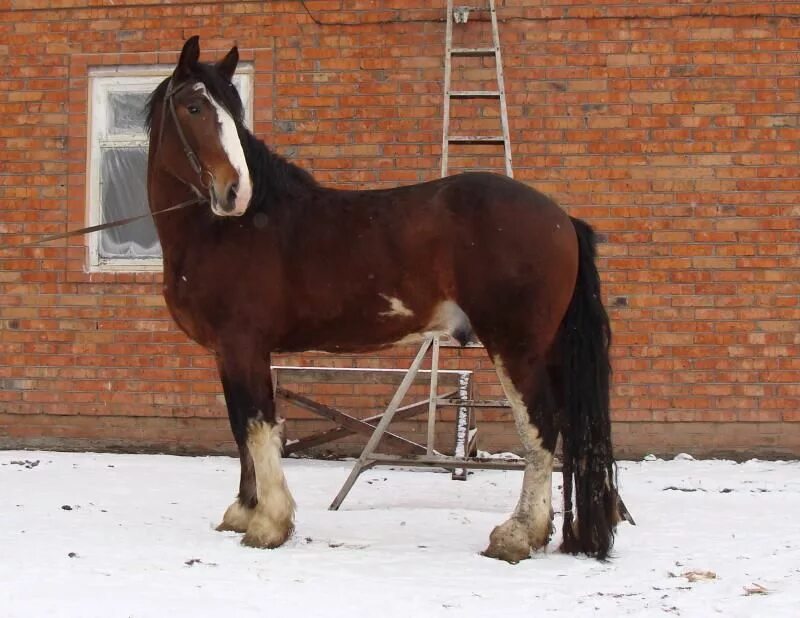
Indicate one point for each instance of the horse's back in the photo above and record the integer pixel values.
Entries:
(495, 213)
(496, 190)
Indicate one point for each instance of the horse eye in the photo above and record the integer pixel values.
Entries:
(193, 109)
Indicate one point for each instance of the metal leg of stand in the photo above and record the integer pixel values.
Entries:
(434, 393)
(362, 462)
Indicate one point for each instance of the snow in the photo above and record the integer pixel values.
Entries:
(87, 535)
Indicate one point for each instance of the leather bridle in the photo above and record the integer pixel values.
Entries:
(205, 176)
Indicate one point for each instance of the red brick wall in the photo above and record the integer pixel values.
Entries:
(673, 128)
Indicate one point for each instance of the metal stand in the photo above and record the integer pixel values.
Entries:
(364, 462)
(431, 458)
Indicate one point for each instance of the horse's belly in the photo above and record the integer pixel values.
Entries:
(396, 325)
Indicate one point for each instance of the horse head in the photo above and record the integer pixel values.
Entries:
(199, 120)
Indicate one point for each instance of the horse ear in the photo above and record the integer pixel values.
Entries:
(227, 66)
(189, 57)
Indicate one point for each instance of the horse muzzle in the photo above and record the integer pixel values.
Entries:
(227, 199)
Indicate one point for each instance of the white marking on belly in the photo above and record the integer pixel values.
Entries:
(397, 308)
(447, 319)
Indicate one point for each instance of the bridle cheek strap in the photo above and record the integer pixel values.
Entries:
(191, 156)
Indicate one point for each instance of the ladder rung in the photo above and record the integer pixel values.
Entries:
(476, 139)
(450, 462)
(473, 51)
(475, 94)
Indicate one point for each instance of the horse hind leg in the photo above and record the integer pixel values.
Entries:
(530, 526)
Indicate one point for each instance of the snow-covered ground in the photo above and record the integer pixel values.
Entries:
(85, 535)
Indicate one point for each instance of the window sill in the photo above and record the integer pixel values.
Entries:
(127, 266)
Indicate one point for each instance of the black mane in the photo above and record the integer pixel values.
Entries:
(273, 177)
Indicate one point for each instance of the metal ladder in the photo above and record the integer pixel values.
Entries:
(461, 16)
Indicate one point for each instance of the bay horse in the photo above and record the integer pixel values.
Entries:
(280, 263)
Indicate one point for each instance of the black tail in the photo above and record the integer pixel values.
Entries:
(586, 424)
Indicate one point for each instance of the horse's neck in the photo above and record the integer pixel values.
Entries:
(177, 230)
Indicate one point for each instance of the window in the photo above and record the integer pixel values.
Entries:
(118, 164)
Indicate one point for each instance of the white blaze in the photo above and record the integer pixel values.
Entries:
(229, 138)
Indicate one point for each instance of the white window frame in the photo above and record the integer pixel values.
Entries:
(102, 82)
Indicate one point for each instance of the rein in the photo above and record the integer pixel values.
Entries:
(105, 226)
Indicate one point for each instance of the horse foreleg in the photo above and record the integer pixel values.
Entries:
(273, 520)
(530, 526)
(264, 509)
(238, 515)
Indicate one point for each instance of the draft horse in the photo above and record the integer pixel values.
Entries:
(278, 263)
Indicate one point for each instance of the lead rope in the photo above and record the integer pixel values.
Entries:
(105, 226)
(194, 161)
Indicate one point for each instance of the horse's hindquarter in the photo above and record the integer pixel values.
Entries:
(509, 225)
(514, 249)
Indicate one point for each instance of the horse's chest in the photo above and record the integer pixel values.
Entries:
(190, 307)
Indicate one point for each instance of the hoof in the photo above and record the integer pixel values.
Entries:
(266, 535)
(509, 541)
(226, 527)
(237, 518)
